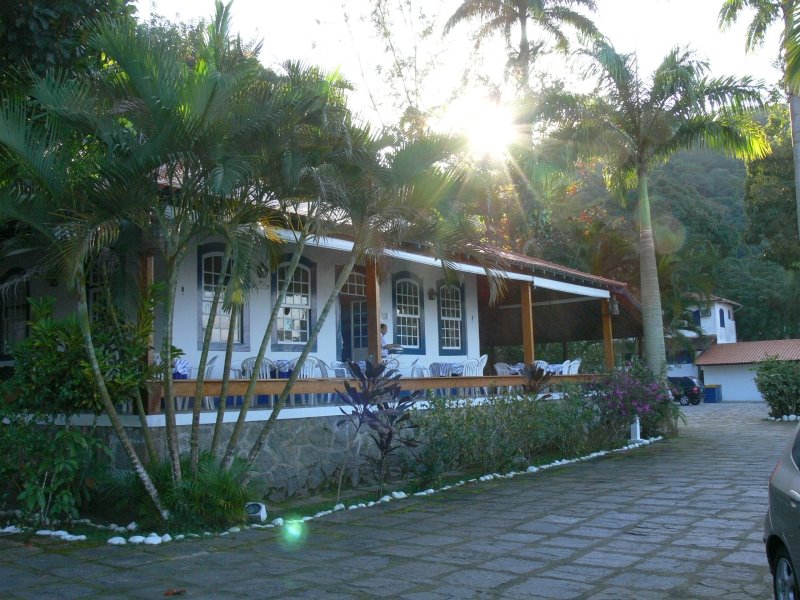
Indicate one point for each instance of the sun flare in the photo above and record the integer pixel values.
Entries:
(487, 125)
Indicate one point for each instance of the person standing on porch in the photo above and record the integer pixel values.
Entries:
(385, 345)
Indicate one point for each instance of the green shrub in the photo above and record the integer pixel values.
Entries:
(635, 391)
(51, 373)
(507, 431)
(779, 384)
(49, 471)
(212, 499)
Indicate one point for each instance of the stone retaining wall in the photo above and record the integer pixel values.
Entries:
(301, 456)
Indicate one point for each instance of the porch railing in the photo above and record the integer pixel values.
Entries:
(322, 392)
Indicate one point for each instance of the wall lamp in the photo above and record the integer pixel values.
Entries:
(432, 295)
(613, 306)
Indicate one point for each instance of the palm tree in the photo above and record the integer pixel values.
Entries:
(768, 12)
(58, 198)
(550, 16)
(200, 125)
(412, 195)
(632, 125)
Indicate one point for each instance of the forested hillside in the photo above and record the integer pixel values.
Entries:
(709, 239)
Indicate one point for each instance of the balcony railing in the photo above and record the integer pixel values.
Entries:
(322, 392)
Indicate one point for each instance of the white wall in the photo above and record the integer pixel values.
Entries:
(710, 324)
(186, 311)
(737, 381)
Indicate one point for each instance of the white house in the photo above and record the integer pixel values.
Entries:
(716, 319)
(732, 366)
(432, 317)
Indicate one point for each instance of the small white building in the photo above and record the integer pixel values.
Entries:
(732, 366)
(716, 319)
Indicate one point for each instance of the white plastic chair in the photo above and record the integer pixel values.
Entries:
(469, 368)
(418, 370)
(313, 367)
(340, 369)
(542, 364)
(265, 371)
(574, 366)
(502, 368)
(208, 401)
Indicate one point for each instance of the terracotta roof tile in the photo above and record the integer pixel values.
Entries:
(749, 352)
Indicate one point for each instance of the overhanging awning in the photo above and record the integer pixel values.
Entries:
(537, 281)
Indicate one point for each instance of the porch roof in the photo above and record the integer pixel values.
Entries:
(566, 301)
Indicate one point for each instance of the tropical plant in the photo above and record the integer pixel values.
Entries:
(535, 378)
(377, 403)
(767, 12)
(635, 391)
(550, 16)
(632, 125)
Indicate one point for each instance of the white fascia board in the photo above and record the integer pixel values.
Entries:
(549, 284)
(570, 288)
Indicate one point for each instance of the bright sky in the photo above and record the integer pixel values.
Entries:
(335, 34)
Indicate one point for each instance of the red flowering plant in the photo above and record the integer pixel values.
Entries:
(631, 391)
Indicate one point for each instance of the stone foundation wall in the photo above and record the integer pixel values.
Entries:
(301, 456)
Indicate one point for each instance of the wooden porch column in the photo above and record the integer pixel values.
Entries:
(373, 311)
(526, 302)
(154, 388)
(608, 337)
(146, 277)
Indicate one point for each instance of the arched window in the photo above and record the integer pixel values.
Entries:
(722, 317)
(451, 319)
(211, 275)
(408, 315)
(296, 317)
(14, 314)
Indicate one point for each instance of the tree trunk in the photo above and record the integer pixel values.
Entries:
(194, 440)
(262, 350)
(226, 378)
(262, 435)
(794, 115)
(166, 361)
(108, 405)
(524, 49)
(653, 322)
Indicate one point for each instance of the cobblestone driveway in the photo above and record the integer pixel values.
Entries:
(679, 519)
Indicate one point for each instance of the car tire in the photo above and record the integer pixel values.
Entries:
(784, 578)
(683, 399)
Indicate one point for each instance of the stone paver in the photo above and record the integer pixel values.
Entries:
(679, 519)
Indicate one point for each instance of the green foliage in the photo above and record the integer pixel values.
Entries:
(779, 384)
(769, 295)
(51, 373)
(213, 498)
(377, 403)
(770, 194)
(635, 391)
(505, 431)
(510, 431)
(48, 471)
(47, 34)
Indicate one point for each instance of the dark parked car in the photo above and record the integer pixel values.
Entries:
(686, 390)
(782, 523)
